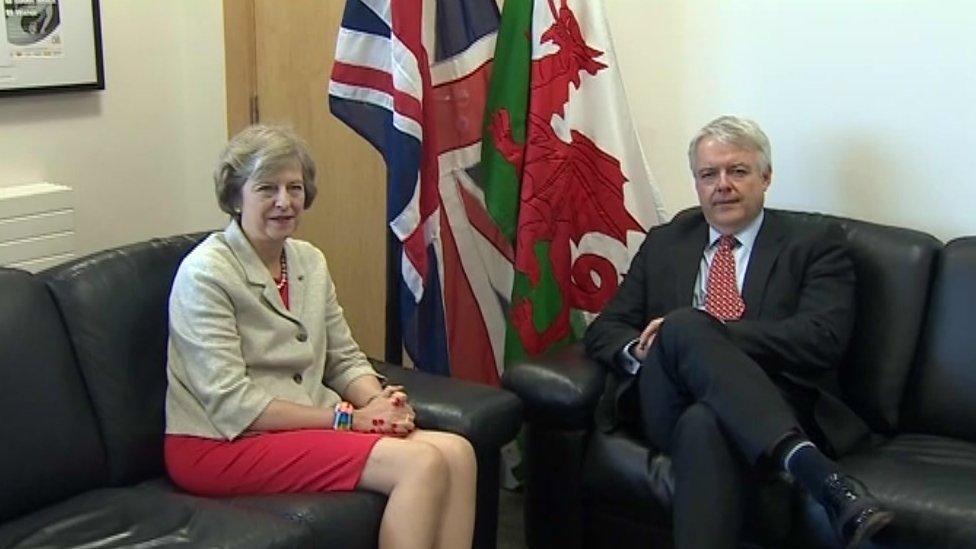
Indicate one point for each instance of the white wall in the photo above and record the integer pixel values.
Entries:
(870, 105)
(139, 154)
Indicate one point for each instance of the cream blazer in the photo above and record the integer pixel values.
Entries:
(233, 346)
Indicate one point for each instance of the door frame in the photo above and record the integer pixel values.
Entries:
(240, 60)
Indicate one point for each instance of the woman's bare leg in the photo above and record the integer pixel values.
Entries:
(457, 519)
(414, 475)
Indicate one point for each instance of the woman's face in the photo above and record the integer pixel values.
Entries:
(271, 208)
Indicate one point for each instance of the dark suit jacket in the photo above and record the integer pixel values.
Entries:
(799, 297)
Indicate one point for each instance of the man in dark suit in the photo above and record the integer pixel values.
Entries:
(730, 324)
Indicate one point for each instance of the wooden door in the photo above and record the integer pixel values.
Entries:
(281, 52)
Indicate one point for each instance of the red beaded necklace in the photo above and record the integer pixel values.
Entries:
(283, 283)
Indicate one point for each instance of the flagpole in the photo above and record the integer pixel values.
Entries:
(394, 338)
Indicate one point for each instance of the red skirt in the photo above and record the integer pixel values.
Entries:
(269, 463)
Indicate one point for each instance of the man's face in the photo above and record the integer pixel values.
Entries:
(730, 184)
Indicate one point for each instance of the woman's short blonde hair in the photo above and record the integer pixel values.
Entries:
(258, 152)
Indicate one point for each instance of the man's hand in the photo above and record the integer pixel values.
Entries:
(646, 339)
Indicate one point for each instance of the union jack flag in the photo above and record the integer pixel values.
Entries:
(411, 77)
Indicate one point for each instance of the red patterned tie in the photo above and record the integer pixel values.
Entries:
(722, 298)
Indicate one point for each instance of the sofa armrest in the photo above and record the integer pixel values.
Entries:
(559, 389)
(487, 416)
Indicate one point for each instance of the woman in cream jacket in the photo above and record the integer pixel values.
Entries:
(268, 392)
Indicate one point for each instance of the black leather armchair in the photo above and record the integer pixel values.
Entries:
(910, 373)
(82, 385)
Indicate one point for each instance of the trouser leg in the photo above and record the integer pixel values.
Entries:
(693, 360)
(710, 483)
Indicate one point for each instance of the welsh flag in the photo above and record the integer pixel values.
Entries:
(564, 175)
(502, 247)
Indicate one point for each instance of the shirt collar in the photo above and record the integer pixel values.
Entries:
(746, 237)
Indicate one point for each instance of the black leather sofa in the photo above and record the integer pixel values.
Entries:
(910, 373)
(82, 383)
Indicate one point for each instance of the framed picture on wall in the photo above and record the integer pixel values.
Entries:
(50, 46)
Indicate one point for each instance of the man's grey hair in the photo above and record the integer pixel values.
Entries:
(740, 132)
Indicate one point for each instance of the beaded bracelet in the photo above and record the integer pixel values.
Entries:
(343, 416)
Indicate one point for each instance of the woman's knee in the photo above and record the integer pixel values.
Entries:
(457, 450)
(426, 463)
(397, 461)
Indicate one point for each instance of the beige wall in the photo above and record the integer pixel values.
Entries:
(140, 153)
(869, 104)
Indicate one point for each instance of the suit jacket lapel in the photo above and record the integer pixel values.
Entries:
(686, 255)
(255, 271)
(769, 243)
(297, 273)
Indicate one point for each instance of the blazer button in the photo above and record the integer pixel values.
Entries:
(302, 336)
(297, 378)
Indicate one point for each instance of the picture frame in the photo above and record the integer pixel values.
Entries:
(50, 46)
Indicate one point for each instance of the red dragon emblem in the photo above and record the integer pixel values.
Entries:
(568, 189)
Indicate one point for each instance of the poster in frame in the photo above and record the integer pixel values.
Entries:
(50, 46)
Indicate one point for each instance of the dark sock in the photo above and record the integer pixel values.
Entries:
(808, 465)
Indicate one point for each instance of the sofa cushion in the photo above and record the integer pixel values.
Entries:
(51, 445)
(940, 399)
(621, 472)
(894, 267)
(114, 304)
(486, 416)
(132, 517)
(930, 483)
(625, 479)
(359, 513)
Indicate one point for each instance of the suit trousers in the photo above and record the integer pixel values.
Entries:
(712, 485)
(716, 412)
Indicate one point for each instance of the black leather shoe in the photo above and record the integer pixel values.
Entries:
(854, 513)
